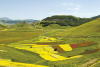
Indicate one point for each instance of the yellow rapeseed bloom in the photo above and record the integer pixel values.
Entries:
(47, 52)
(41, 36)
(66, 47)
(52, 39)
(2, 44)
(8, 62)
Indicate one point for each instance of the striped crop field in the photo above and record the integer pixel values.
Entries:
(74, 46)
(59, 49)
(9, 63)
(86, 44)
(90, 51)
(47, 52)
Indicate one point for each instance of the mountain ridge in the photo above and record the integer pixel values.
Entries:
(5, 20)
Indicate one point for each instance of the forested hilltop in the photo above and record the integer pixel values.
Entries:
(66, 20)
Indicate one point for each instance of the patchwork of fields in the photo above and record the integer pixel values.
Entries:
(44, 51)
(47, 52)
(8, 62)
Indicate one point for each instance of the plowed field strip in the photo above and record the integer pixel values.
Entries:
(59, 49)
(73, 46)
(90, 52)
(85, 44)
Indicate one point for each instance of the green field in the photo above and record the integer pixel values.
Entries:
(27, 35)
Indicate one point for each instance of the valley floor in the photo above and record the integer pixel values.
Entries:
(23, 49)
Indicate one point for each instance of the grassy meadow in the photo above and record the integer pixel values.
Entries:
(27, 36)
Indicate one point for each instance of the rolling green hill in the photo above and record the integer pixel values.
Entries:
(91, 28)
(23, 26)
(66, 20)
(55, 26)
(25, 33)
(2, 27)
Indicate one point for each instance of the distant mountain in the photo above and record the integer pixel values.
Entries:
(4, 18)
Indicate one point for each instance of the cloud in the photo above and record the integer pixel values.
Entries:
(78, 5)
(68, 4)
(72, 6)
(74, 13)
(64, 4)
(77, 14)
(77, 9)
(57, 13)
(68, 8)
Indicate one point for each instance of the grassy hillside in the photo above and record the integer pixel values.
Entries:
(22, 35)
(2, 27)
(17, 55)
(55, 26)
(90, 28)
(23, 26)
(7, 37)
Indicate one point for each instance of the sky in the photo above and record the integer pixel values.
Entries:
(40, 9)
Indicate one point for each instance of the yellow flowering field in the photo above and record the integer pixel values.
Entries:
(45, 51)
(52, 38)
(8, 62)
(43, 39)
(5, 30)
(55, 57)
(2, 44)
(49, 49)
(66, 47)
(41, 36)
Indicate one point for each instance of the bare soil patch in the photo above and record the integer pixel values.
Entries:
(59, 49)
(86, 44)
(90, 51)
(73, 46)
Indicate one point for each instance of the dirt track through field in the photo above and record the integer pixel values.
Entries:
(88, 63)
